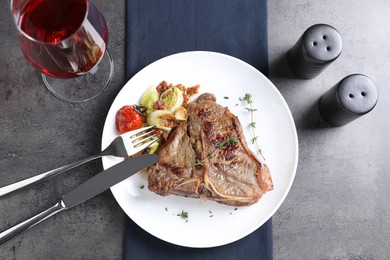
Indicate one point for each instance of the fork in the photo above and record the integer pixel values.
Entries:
(124, 145)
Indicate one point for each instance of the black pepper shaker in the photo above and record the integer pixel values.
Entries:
(352, 97)
(317, 48)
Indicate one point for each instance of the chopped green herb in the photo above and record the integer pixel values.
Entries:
(166, 209)
(226, 97)
(234, 210)
(142, 186)
(183, 215)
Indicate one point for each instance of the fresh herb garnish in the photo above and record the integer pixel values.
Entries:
(184, 215)
(248, 99)
(234, 210)
(166, 209)
(227, 142)
(221, 145)
(199, 162)
(226, 97)
(142, 186)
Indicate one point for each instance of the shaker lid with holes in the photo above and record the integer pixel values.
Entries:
(357, 94)
(322, 43)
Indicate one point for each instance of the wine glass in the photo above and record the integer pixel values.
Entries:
(66, 40)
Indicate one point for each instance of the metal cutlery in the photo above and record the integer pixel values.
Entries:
(124, 145)
(90, 188)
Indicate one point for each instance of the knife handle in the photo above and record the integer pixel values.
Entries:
(19, 228)
(26, 182)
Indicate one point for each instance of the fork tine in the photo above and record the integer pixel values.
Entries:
(134, 133)
(147, 142)
(142, 136)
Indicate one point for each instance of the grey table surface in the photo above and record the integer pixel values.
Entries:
(338, 205)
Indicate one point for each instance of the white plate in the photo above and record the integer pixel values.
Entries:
(210, 224)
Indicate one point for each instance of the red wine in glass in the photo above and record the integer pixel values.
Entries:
(61, 38)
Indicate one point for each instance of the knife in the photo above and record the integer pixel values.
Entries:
(90, 188)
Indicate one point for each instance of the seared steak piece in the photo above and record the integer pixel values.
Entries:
(208, 157)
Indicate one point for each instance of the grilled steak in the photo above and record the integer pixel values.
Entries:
(207, 157)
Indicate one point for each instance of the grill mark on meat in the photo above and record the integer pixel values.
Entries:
(229, 175)
(227, 154)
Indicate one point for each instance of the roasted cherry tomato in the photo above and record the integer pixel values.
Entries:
(127, 119)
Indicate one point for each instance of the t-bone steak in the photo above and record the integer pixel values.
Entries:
(193, 162)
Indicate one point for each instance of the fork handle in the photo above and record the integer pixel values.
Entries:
(19, 228)
(21, 184)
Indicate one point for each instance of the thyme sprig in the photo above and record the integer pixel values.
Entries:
(249, 101)
(227, 142)
(221, 145)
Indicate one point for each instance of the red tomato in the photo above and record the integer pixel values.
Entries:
(127, 119)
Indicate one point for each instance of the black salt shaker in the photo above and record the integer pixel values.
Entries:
(316, 49)
(352, 97)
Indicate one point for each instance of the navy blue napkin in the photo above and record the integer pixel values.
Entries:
(157, 28)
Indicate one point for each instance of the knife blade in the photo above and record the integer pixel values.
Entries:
(108, 178)
(90, 188)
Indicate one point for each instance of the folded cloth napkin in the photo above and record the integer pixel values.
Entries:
(157, 28)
